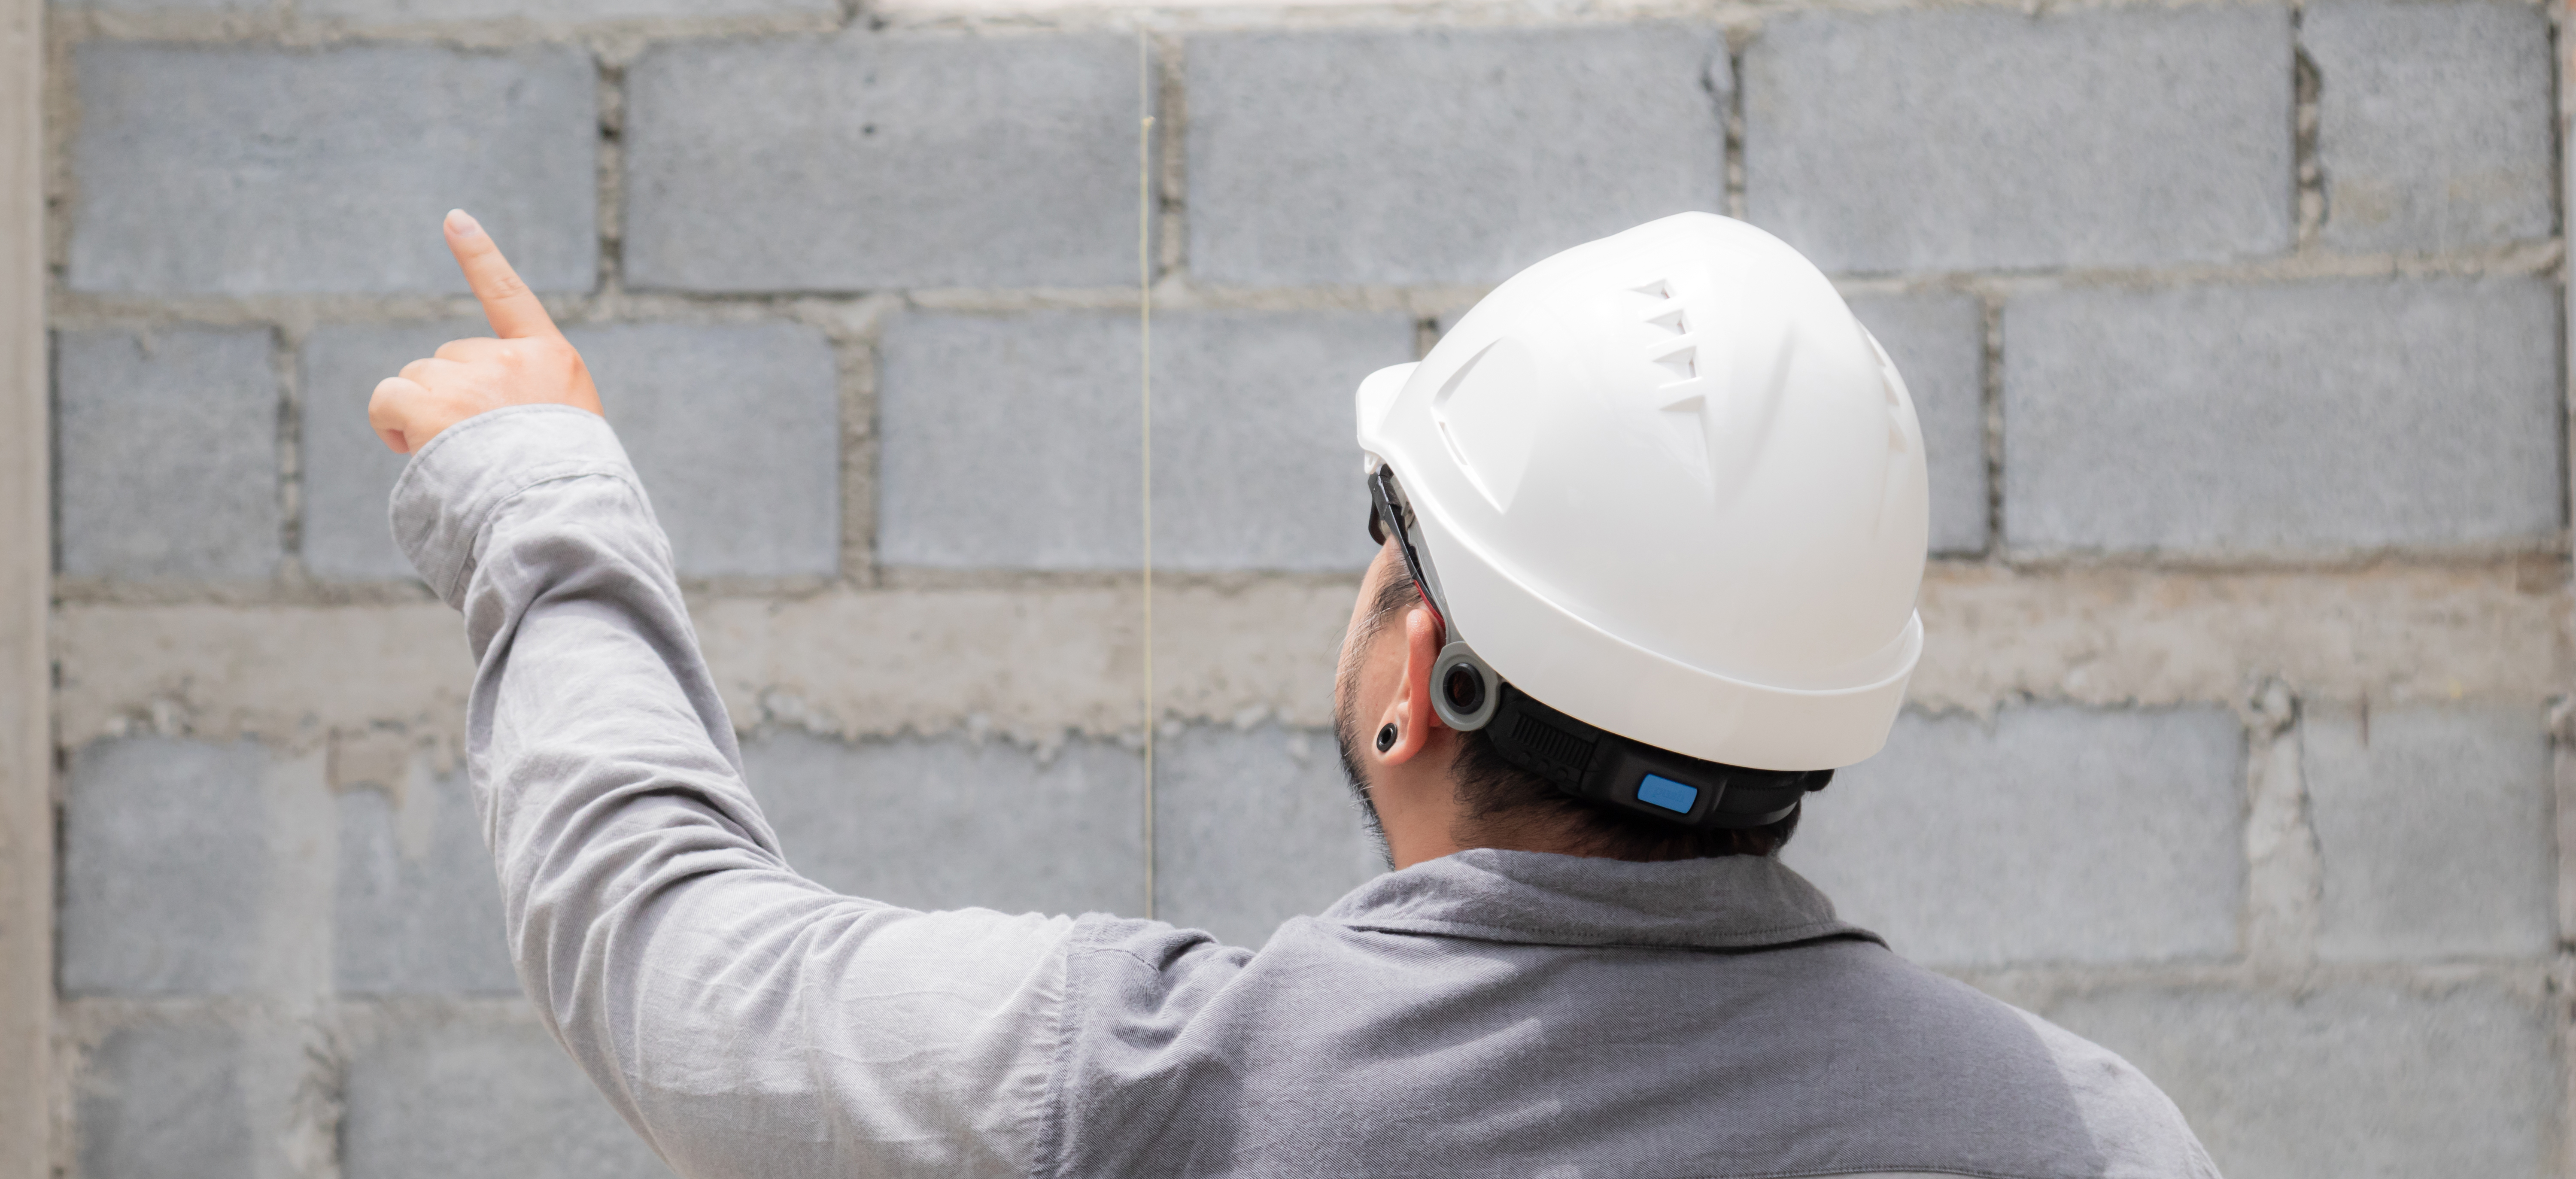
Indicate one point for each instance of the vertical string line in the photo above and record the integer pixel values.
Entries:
(1145, 397)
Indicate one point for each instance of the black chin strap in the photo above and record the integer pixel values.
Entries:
(1610, 770)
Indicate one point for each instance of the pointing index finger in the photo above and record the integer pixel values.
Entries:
(507, 301)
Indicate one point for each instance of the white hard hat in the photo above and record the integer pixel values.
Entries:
(1665, 485)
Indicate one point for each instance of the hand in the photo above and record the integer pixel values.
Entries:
(529, 364)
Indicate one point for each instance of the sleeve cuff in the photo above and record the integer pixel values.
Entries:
(453, 486)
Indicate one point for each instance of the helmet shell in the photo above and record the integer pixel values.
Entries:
(1670, 486)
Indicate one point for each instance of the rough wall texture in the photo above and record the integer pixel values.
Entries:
(2235, 327)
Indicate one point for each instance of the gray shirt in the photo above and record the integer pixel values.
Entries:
(1487, 1013)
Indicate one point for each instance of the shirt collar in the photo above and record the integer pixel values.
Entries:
(1719, 903)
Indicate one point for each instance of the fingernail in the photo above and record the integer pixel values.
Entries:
(462, 223)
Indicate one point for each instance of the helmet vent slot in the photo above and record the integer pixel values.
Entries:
(1671, 321)
(1658, 289)
(1551, 744)
(1684, 364)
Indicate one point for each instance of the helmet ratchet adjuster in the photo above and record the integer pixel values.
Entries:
(1605, 768)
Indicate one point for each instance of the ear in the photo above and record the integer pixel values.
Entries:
(1410, 712)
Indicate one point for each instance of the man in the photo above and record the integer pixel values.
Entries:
(1652, 522)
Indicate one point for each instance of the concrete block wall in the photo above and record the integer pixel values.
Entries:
(2236, 329)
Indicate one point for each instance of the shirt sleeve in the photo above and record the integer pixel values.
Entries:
(745, 1020)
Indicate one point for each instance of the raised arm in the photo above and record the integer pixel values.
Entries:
(745, 1020)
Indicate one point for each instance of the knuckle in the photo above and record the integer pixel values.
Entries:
(547, 354)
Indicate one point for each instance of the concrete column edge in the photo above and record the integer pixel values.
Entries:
(2562, 713)
(26, 569)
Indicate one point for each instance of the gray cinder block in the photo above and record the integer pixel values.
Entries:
(1011, 440)
(1938, 341)
(167, 1100)
(735, 430)
(418, 910)
(2433, 826)
(166, 862)
(458, 1096)
(2295, 418)
(1252, 827)
(2345, 1080)
(166, 453)
(953, 823)
(2434, 128)
(1990, 138)
(873, 160)
(377, 12)
(240, 170)
(160, 5)
(1443, 155)
(2059, 834)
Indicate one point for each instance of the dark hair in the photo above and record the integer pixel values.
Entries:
(1504, 800)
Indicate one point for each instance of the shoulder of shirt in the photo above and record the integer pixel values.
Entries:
(2137, 1128)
